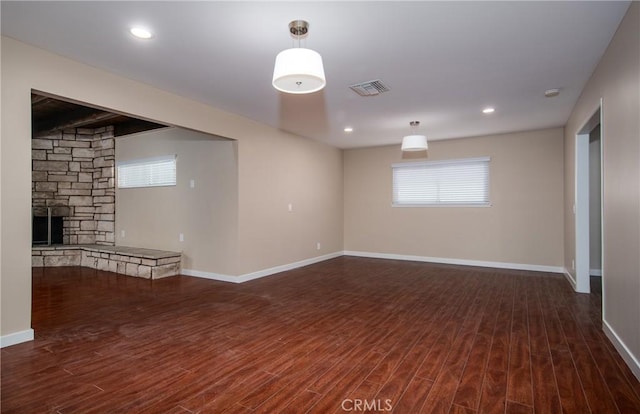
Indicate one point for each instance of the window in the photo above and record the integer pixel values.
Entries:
(147, 172)
(463, 182)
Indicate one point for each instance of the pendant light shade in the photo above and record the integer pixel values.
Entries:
(298, 70)
(414, 142)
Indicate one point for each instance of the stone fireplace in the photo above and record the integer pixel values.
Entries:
(73, 192)
(47, 230)
(73, 174)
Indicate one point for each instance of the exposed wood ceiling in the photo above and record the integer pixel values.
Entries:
(49, 115)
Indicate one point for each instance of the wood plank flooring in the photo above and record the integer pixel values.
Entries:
(346, 335)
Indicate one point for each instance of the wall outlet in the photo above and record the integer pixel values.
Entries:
(290, 207)
(318, 246)
(181, 237)
(192, 183)
(122, 233)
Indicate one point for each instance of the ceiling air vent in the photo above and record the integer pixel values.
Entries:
(370, 88)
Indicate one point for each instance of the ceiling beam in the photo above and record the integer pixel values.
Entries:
(38, 99)
(133, 126)
(74, 119)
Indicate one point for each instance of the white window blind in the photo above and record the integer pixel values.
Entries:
(463, 182)
(147, 172)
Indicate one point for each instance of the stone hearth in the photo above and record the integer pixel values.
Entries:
(131, 261)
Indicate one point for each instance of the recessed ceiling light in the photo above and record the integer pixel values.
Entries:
(550, 93)
(141, 32)
(488, 110)
(348, 129)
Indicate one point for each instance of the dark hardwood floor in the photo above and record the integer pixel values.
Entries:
(340, 336)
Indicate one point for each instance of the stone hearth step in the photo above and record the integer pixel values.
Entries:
(131, 261)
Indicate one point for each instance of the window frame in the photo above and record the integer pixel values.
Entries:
(435, 164)
(148, 161)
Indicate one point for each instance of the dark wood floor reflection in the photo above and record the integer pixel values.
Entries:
(344, 335)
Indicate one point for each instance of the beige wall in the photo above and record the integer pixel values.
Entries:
(617, 81)
(206, 214)
(522, 226)
(265, 155)
(15, 222)
(304, 174)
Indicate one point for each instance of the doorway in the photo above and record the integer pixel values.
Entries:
(588, 202)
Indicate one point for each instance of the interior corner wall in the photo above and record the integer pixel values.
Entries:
(304, 219)
(205, 213)
(264, 156)
(616, 81)
(523, 225)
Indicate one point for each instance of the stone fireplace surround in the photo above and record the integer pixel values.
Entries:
(73, 173)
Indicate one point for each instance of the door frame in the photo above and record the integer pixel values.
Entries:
(581, 201)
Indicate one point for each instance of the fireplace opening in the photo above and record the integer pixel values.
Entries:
(40, 228)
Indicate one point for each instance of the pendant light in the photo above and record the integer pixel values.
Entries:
(298, 70)
(414, 142)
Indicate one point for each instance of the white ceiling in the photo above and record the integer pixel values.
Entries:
(444, 61)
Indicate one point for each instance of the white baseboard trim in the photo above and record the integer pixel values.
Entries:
(210, 275)
(463, 262)
(622, 349)
(260, 273)
(267, 272)
(595, 272)
(570, 278)
(16, 338)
